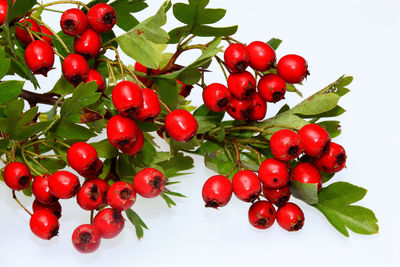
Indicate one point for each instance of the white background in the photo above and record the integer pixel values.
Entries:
(359, 38)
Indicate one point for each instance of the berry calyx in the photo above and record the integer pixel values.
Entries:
(240, 109)
(151, 106)
(75, 69)
(316, 140)
(307, 173)
(290, 217)
(286, 145)
(22, 34)
(333, 161)
(274, 173)
(102, 17)
(217, 191)
(242, 85)
(180, 125)
(259, 108)
(41, 190)
(47, 34)
(272, 88)
(64, 184)
(17, 176)
(103, 186)
(137, 145)
(44, 224)
(127, 98)
(83, 158)
(277, 196)
(86, 238)
(262, 214)
(292, 68)
(109, 222)
(96, 76)
(246, 186)
(90, 196)
(149, 182)
(262, 56)
(88, 44)
(53, 207)
(39, 57)
(74, 22)
(216, 97)
(122, 131)
(237, 57)
(121, 195)
(185, 89)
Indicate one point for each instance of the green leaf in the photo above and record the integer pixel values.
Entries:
(168, 200)
(4, 63)
(137, 222)
(10, 90)
(69, 130)
(332, 127)
(147, 153)
(14, 108)
(291, 88)
(274, 43)
(124, 8)
(174, 166)
(63, 87)
(167, 91)
(19, 7)
(105, 149)
(203, 111)
(190, 76)
(173, 193)
(68, 40)
(31, 130)
(317, 104)
(304, 191)
(27, 117)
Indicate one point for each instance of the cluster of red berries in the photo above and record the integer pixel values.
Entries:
(243, 98)
(93, 194)
(275, 174)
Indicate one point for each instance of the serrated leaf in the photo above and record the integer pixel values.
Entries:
(105, 149)
(174, 166)
(27, 117)
(63, 87)
(124, 8)
(332, 127)
(70, 130)
(305, 191)
(10, 90)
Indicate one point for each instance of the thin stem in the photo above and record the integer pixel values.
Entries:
(58, 3)
(221, 64)
(39, 164)
(91, 216)
(165, 106)
(53, 10)
(232, 169)
(238, 155)
(2, 160)
(44, 156)
(39, 36)
(22, 206)
(252, 150)
(111, 72)
(228, 38)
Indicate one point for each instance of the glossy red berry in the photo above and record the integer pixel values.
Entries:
(307, 173)
(41, 190)
(75, 69)
(259, 108)
(242, 85)
(286, 145)
(241, 109)
(333, 161)
(53, 207)
(181, 125)
(262, 56)
(137, 145)
(151, 106)
(217, 191)
(149, 182)
(127, 98)
(122, 131)
(290, 217)
(216, 97)
(292, 68)
(102, 17)
(121, 195)
(83, 158)
(96, 76)
(262, 214)
(109, 222)
(17, 176)
(103, 186)
(90, 196)
(237, 57)
(44, 224)
(47, 34)
(277, 196)
(39, 57)
(246, 186)
(3, 11)
(316, 140)
(184, 89)
(272, 88)
(88, 44)
(86, 238)
(74, 22)
(22, 34)
(274, 173)
(64, 184)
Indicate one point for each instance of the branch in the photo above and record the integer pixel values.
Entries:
(35, 98)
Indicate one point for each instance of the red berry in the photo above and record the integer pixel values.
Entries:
(41, 190)
(181, 125)
(17, 176)
(137, 145)
(96, 76)
(272, 88)
(151, 106)
(290, 217)
(240, 109)
(49, 34)
(316, 140)
(23, 35)
(242, 85)
(88, 44)
(286, 145)
(149, 182)
(262, 214)
(74, 22)
(86, 238)
(274, 173)
(102, 17)
(39, 57)
(185, 89)
(109, 222)
(83, 158)
(277, 196)
(64, 184)
(90, 196)
(216, 97)
(121, 196)
(44, 224)
(127, 98)
(262, 56)
(246, 186)
(3, 11)
(103, 186)
(75, 69)
(217, 191)
(307, 173)
(333, 161)
(259, 108)
(122, 132)
(292, 68)
(148, 71)
(237, 57)
(54, 207)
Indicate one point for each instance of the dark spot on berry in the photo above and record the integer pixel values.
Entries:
(69, 25)
(77, 79)
(246, 113)
(275, 180)
(157, 182)
(298, 225)
(326, 147)
(85, 237)
(271, 211)
(233, 110)
(340, 159)
(282, 201)
(43, 71)
(277, 96)
(240, 66)
(125, 193)
(94, 192)
(262, 221)
(76, 189)
(149, 119)
(54, 232)
(293, 151)
(85, 55)
(253, 198)
(23, 181)
(117, 216)
(123, 143)
(325, 168)
(223, 102)
(212, 204)
(131, 112)
(250, 91)
(93, 165)
(57, 213)
(109, 18)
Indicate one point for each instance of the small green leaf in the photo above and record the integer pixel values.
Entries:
(305, 191)
(31, 130)
(105, 149)
(135, 219)
(174, 166)
(168, 200)
(69, 130)
(10, 90)
(68, 40)
(274, 43)
(63, 87)
(317, 104)
(332, 127)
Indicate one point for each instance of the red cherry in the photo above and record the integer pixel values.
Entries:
(181, 125)
(23, 35)
(86, 238)
(90, 196)
(290, 217)
(216, 97)
(151, 106)
(242, 85)
(102, 17)
(262, 56)
(39, 57)
(53, 207)
(286, 145)
(333, 161)
(41, 190)
(149, 182)
(240, 109)
(121, 132)
(83, 158)
(274, 173)
(121, 195)
(75, 69)
(44, 224)
(127, 98)
(185, 89)
(259, 108)
(109, 222)
(262, 214)
(74, 22)
(49, 34)
(217, 191)
(272, 88)
(277, 196)
(246, 186)
(292, 68)
(17, 176)
(64, 184)
(3, 11)
(307, 173)
(137, 145)
(96, 76)
(88, 44)
(237, 57)
(316, 140)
